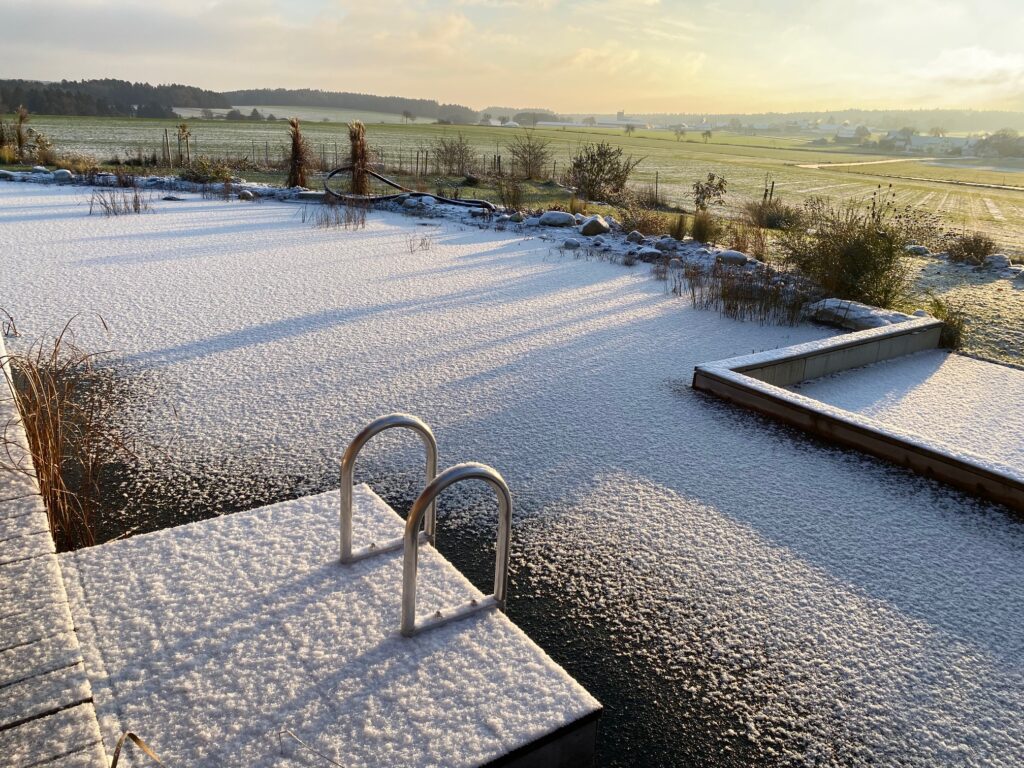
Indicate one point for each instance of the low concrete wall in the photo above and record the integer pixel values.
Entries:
(841, 353)
(757, 381)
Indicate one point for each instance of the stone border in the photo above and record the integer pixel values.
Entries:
(757, 382)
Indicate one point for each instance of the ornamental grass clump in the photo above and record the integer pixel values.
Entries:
(359, 158)
(65, 405)
(299, 155)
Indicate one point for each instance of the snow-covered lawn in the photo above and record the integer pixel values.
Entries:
(716, 581)
(966, 404)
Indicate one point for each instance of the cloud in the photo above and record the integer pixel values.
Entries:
(972, 73)
(583, 55)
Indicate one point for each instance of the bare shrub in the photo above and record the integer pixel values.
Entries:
(709, 192)
(43, 152)
(600, 171)
(968, 247)
(206, 171)
(530, 154)
(650, 195)
(78, 162)
(635, 213)
(510, 193)
(454, 155)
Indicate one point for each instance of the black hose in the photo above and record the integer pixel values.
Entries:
(350, 198)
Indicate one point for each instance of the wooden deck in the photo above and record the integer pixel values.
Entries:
(46, 711)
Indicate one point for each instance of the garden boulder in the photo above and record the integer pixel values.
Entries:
(735, 258)
(557, 219)
(595, 225)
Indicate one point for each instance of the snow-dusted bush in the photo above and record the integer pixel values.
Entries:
(857, 252)
(969, 247)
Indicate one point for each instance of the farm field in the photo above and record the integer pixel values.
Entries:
(745, 161)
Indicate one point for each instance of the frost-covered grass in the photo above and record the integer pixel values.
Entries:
(716, 581)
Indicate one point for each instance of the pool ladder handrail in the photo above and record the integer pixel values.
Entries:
(424, 510)
(348, 463)
(424, 505)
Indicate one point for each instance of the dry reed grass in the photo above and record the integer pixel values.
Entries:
(64, 407)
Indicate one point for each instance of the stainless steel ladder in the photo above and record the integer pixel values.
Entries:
(424, 510)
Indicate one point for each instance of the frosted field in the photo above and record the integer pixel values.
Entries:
(733, 592)
(969, 405)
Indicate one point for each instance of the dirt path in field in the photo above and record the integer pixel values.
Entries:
(818, 166)
(978, 184)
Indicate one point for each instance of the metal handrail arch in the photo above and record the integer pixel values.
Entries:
(424, 505)
(348, 463)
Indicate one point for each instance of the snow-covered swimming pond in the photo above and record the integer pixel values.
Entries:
(967, 405)
(733, 592)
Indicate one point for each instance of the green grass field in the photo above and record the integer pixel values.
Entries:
(746, 161)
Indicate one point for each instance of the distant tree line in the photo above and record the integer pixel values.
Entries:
(1005, 142)
(397, 105)
(108, 97)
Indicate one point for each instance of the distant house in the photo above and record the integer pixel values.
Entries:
(932, 145)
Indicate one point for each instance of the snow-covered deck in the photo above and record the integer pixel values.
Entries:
(213, 640)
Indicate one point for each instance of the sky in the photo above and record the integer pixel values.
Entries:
(641, 56)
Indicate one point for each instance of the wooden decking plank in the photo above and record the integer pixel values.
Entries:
(36, 624)
(33, 659)
(29, 585)
(59, 736)
(27, 547)
(43, 695)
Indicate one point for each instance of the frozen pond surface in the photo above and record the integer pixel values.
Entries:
(968, 405)
(733, 592)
